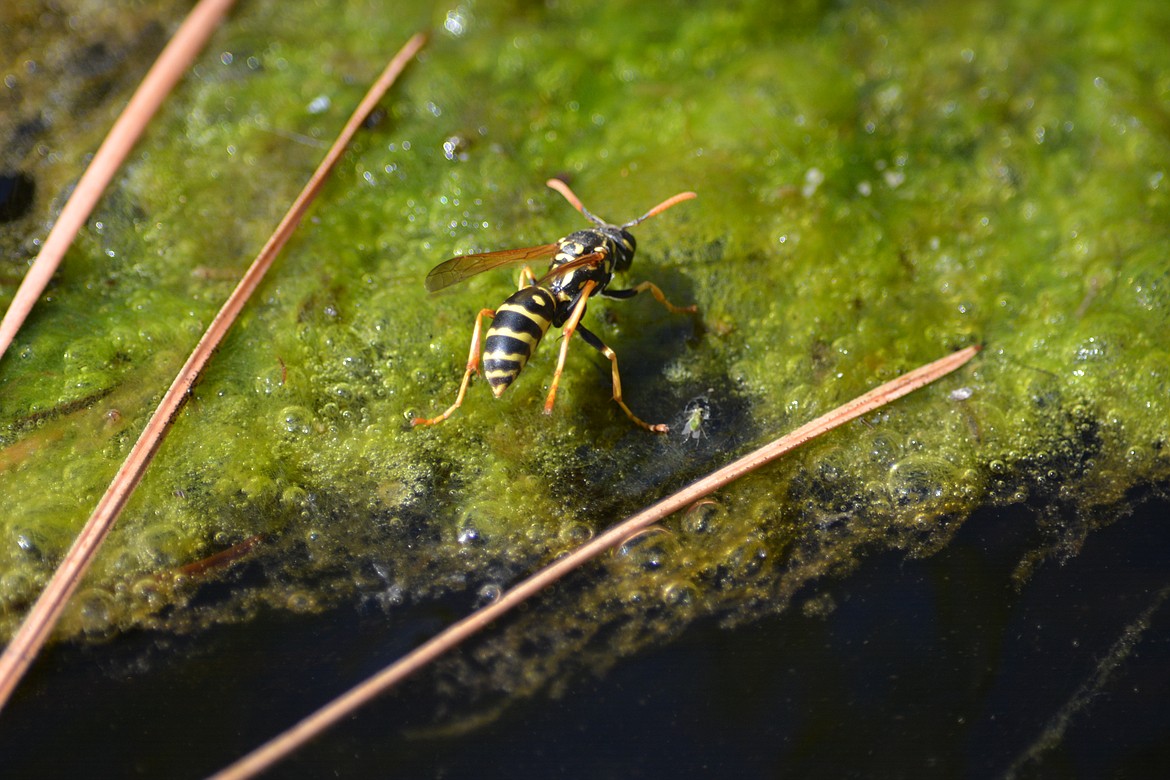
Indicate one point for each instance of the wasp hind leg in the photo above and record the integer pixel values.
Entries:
(592, 340)
(656, 292)
(472, 367)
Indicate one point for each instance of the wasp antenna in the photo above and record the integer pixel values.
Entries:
(574, 201)
(661, 207)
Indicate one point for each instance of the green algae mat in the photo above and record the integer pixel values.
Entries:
(877, 184)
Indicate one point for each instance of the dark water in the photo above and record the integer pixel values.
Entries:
(925, 668)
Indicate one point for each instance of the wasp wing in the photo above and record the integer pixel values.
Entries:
(461, 267)
(593, 258)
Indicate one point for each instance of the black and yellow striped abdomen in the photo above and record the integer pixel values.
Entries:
(516, 329)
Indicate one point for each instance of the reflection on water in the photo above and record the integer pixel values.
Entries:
(931, 667)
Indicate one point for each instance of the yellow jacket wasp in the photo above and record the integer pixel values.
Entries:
(583, 264)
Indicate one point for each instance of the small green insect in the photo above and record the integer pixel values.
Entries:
(694, 417)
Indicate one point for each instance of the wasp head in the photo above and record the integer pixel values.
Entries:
(623, 246)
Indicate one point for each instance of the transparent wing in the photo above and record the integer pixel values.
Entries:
(462, 267)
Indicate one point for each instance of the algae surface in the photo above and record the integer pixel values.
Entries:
(878, 185)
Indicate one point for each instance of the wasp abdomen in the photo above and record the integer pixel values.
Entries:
(516, 329)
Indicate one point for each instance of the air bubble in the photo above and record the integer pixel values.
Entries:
(294, 496)
(156, 546)
(148, 593)
(748, 559)
(489, 593)
(296, 419)
(680, 595)
(920, 480)
(575, 533)
(649, 550)
(95, 612)
(27, 546)
(468, 535)
(15, 587)
(700, 519)
(270, 381)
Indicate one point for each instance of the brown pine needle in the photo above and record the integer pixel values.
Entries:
(268, 754)
(45, 613)
(170, 66)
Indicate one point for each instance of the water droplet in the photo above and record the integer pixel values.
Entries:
(319, 104)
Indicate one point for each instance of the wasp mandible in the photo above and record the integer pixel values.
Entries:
(583, 264)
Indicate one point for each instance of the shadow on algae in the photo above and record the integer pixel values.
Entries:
(878, 186)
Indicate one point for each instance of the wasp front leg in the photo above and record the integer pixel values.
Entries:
(472, 367)
(566, 335)
(656, 292)
(592, 340)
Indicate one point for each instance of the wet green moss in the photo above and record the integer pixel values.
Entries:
(877, 186)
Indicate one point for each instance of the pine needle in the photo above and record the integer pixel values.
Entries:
(44, 615)
(170, 66)
(268, 754)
